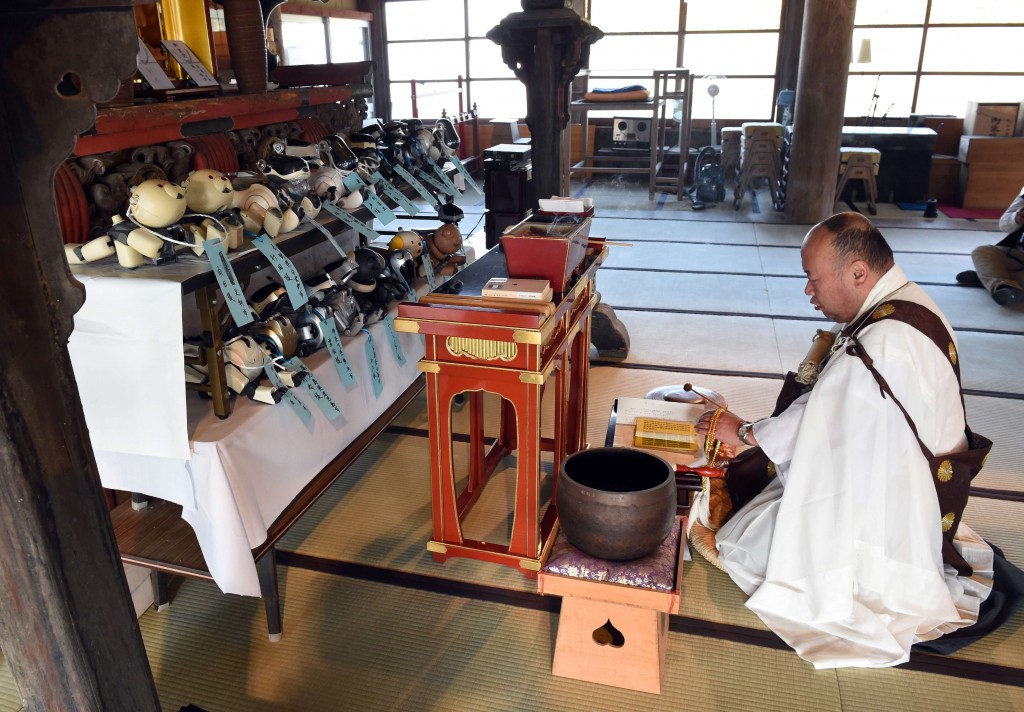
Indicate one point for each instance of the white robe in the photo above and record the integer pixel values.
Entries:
(841, 553)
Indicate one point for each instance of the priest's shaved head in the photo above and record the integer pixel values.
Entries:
(843, 257)
(854, 237)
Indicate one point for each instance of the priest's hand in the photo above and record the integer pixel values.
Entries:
(726, 426)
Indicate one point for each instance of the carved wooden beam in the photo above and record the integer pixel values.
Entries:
(69, 630)
(545, 48)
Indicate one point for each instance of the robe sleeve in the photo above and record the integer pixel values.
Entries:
(777, 435)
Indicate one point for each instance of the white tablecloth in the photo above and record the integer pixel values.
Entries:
(232, 477)
(245, 470)
(126, 350)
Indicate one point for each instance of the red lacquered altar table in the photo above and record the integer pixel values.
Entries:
(515, 353)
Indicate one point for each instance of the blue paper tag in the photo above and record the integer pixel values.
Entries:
(449, 187)
(371, 358)
(430, 180)
(394, 193)
(379, 208)
(416, 185)
(352, 222)
(428, 270)
(268, 368)
(231, 290)
(337, 351)
(461, 167)
(328, 235)
(353, 181)
(285, 268)
(313, 387)
(299, 408)
(396, 345)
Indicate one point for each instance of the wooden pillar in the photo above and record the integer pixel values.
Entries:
(68, 628)
(379, 54)
(545, 46)
(789, 47)
(820, 104)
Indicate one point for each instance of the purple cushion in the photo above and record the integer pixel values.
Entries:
(657, 571)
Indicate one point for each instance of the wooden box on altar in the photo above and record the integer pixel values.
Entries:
(551, 251)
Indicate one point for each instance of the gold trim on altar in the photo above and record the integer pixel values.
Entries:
(481, 349)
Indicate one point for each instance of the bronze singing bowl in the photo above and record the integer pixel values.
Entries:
(616, 503)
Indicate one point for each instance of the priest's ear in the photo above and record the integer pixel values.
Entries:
(859, 272)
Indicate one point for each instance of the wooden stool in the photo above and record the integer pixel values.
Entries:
(613, 633)
(731, 138)
(760, 157)
(860, 164)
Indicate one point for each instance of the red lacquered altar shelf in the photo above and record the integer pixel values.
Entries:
(516, 355)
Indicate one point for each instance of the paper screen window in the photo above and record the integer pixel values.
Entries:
(665, 434)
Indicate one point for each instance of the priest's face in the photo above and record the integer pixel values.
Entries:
(833, 286)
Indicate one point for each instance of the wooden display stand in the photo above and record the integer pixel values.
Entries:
(860, 164)
(474, 345)
(639, 614)
(671, 85)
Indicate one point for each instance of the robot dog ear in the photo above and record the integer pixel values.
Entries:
(157, 203)
(341, 153)
(370, 266)
(271, 146)
(407, 240)
(446, 134)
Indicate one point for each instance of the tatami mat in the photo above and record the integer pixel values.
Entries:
(988, 360)
(357, 645)
(349, 523)
(667, 255)
(10, 698)
(690, 292)
(929, 267)
(951, 241)
(910, 691)
(780, 235)
(701, 341)
(968, 308)
(686, 257)
(630, 229)
(999, 419)
(958, 239)
(985, 357)
(964, 307)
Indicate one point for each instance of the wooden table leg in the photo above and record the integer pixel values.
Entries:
(269, 590)
(524, 540)
(477, 465)
(444, 504)
(161, 598)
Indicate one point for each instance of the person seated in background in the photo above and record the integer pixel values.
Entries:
(842, 552)
(999, 268)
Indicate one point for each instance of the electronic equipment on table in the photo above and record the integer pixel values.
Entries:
(631, 133)
(507, 157)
